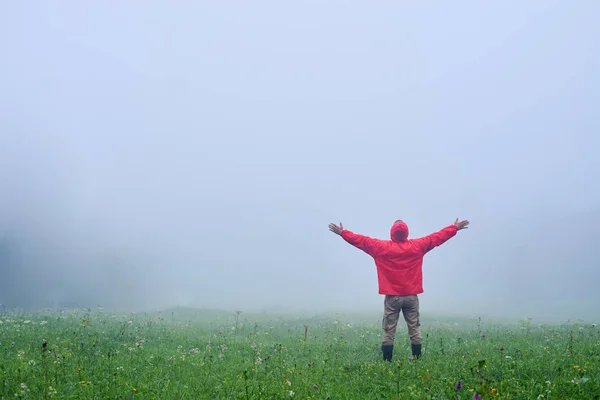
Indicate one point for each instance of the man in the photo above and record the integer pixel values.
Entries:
(399, 264)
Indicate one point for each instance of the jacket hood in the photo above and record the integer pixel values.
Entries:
(399, 232)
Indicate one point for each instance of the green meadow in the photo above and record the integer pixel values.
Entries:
(199, 354)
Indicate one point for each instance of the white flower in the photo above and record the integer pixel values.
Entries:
(594, 325)
(292, 393)
(24, 389)
(507, 357)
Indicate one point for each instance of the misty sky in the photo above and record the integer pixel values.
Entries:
(193, 152)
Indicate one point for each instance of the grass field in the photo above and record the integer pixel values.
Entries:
(194, 354)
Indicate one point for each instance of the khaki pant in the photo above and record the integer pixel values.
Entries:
(409, 306)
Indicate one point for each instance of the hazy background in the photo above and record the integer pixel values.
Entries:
(193, 152)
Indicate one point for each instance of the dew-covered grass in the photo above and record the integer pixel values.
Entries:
(83, 354)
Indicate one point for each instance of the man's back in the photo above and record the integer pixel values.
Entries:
(399, 261)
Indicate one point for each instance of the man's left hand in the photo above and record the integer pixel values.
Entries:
(336, 229)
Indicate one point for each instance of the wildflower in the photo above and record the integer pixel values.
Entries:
(24, 389)
(476, 396)
(315, 387)
(594, 325)
(287, 381)
(292, 393)
(483, 335)
(411, 358)
(494, 391)
(507, 356)
(458, 386)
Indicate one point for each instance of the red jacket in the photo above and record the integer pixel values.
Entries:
(399, 261)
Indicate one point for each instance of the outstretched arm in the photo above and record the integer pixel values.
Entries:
(368, 245)
(436, 239)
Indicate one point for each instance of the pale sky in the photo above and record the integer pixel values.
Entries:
(193, 152)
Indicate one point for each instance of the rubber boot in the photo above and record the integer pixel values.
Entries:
(387, 351)
(416, 350)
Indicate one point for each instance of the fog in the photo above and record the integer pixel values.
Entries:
(192, 153)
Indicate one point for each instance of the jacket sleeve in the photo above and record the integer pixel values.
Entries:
(429, 242)
(369, 245)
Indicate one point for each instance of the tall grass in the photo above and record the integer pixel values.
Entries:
(98, 355)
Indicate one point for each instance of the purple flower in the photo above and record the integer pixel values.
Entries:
(315, 387)
(459, 385)
(483, 335)
(476, 396)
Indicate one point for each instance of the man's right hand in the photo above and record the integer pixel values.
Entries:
(461, 225)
